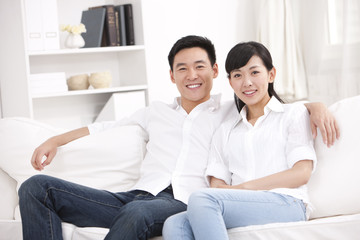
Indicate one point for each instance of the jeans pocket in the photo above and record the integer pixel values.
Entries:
(303, 207)
(298, 204)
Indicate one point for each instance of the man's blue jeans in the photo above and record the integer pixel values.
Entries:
(46, 201)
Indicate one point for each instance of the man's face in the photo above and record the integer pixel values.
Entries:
(193, 75)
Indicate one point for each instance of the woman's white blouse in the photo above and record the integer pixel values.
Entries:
(242, 152)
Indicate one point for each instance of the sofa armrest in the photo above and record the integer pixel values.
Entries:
(9, 198)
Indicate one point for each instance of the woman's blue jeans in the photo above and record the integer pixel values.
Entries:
(45, 202)
(212, 211)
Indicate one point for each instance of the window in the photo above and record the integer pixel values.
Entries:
(343, 21)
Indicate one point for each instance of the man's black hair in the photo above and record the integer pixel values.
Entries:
(190, 42)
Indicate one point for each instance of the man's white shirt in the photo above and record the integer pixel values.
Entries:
(179, 143)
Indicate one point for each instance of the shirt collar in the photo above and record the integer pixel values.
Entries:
(212, 104)
(273, 105)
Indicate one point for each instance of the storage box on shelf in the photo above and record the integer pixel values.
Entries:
(69, 108)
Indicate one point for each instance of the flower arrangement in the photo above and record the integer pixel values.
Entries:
(75, 29)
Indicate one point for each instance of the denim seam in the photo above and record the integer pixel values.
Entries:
(237, 200)
(51, 226)
(91, 200)
(49, 216)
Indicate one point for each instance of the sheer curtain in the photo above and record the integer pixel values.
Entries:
(278, 33)
(350, 49)
(330, 37)
(0, 104)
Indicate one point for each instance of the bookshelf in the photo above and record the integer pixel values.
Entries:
(68, 109)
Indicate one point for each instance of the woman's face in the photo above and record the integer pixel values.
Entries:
(250, 82)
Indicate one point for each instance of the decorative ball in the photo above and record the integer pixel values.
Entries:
(78, 82)
(100, 79)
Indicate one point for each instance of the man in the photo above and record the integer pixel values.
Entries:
(174, 165)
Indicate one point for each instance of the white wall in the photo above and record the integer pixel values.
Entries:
(225, 23)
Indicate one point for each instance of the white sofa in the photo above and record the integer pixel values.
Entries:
(111, 161)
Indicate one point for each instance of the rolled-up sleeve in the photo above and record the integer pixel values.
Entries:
(218, 166)
(300, 144)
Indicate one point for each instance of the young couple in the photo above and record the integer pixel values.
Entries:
(268, 146)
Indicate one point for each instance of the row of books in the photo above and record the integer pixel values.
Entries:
(108, 25)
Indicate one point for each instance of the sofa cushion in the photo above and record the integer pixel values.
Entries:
(333, 228)
(334, 188)
(108, 160)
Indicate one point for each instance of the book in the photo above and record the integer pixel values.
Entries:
(109, 33)
(121, 23)
(129, 24)
(110, 26)
(94, 20)
(117, 28)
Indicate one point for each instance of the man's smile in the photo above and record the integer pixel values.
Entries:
(196, 85)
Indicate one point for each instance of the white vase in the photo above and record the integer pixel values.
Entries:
(74, 41)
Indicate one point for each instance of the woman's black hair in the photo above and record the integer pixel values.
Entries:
(239, 56)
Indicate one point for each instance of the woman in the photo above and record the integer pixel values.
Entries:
(259, 163)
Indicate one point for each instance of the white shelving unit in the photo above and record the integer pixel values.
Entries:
(71, 108)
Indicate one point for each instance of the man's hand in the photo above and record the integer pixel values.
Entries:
(320, 117)
(47, 149)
